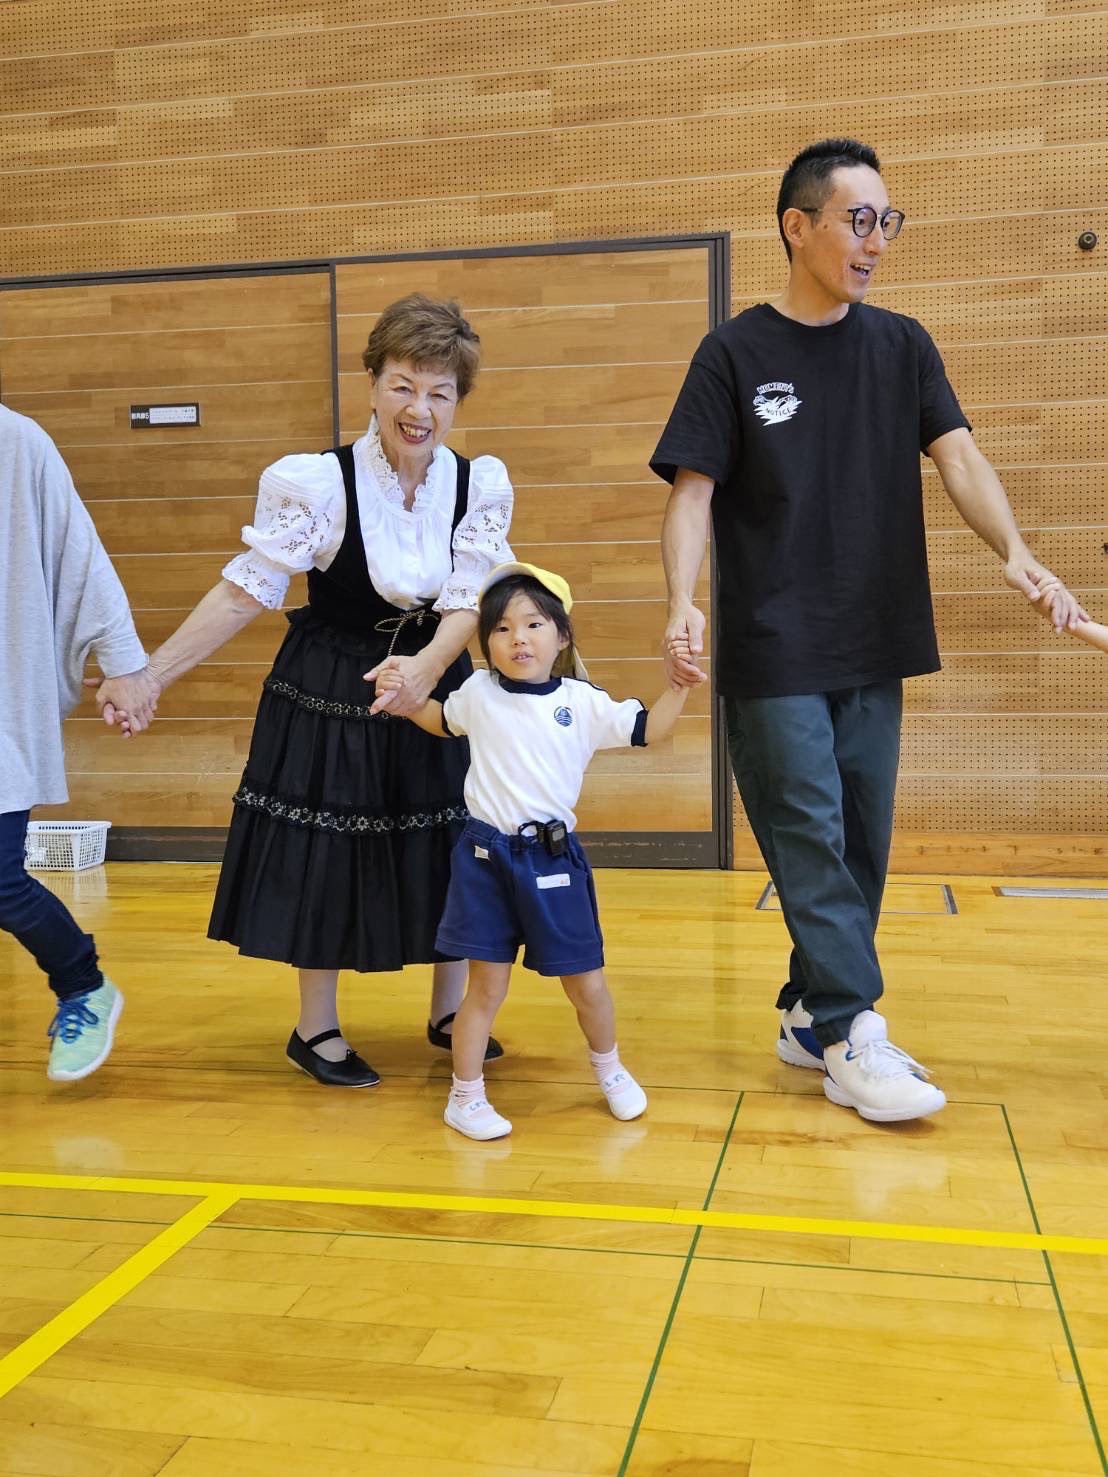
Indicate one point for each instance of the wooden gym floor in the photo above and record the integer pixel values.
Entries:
(212, 1267)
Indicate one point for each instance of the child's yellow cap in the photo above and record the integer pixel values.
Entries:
(557, 586)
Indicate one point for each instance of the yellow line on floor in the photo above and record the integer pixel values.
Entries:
(573, 1210)
(34, 1351)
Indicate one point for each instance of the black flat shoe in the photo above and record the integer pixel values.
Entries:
(350, 1072)
(438, 1037)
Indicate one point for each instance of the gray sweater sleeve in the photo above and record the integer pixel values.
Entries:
(91, 614)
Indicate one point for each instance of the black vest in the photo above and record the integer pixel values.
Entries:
(344, 595)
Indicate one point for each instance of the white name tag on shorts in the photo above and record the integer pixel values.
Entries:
(561, 880)
(481, 852)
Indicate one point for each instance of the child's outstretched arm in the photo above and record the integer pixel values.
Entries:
(1092, 632)
(429, 717)
(664, 713)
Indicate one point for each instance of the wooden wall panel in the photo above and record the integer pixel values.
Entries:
(598, 138)
(83, 418)
(157, 469)
(256, 355)
(1063, 678)
(1018, 175)
(1041, 496)
(171, 360)
(234, 133)
(511, 282)
(959, 560)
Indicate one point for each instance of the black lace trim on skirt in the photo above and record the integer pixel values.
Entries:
(324, 706)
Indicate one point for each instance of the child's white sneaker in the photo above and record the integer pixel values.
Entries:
(872, 1075)
(625, 1097)
(796, 1043)
(477, 1119)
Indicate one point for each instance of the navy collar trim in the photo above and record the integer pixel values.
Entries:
(535, 689)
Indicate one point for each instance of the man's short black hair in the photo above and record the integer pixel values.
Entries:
(807, 181)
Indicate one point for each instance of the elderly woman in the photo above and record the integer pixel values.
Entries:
(338, 850)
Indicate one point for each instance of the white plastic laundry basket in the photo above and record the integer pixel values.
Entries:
(66, 846)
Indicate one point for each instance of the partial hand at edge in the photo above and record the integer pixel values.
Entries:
(1046, 591)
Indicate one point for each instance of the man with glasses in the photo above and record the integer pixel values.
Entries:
(798, 430)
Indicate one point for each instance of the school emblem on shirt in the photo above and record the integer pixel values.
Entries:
(564, 716)
(776, 402)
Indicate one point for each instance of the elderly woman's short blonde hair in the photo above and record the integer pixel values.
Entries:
(428, 334)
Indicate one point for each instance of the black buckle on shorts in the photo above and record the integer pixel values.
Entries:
(552, 834)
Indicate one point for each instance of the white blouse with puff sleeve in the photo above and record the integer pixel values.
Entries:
(300, 521)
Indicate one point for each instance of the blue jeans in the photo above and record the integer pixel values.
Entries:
(817, 776)
(43, 925)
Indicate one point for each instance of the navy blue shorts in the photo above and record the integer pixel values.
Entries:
(508, 890)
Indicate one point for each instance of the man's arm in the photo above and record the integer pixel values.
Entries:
(975, 490)
(684, 538)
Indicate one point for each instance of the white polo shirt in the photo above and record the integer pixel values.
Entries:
(531, 742)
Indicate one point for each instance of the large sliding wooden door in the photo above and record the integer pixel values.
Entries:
(583, 353)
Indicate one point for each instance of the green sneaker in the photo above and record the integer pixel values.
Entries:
(82, 1032)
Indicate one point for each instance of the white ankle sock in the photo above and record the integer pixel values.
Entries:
(604, 1063)
(625, 1097)
(467, 1092)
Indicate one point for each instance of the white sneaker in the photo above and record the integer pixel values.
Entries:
(797, 1044)
(477, 1119)
(871, 1074)
(625, 1097)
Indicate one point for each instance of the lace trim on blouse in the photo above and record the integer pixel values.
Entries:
(294, 529)
(480, 544)
(385, 473)
(249, 572)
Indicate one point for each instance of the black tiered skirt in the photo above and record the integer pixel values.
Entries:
(338, 854)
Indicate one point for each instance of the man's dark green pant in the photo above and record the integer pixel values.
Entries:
(817, 775)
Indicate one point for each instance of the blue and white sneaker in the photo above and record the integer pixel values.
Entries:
(82, 1032)
(797, 1044)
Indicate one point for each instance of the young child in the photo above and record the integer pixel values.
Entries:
(518, 872)
(1092, 632)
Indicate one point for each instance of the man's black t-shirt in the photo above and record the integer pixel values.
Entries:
(813, 437)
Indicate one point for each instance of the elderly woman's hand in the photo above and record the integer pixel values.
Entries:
(403, 684)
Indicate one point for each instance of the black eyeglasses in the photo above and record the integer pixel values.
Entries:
(863, 218)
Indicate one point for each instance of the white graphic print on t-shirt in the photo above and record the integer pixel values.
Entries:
(776, 402)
